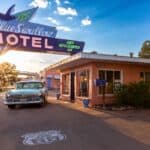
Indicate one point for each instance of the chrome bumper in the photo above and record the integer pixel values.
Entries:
(25, 102)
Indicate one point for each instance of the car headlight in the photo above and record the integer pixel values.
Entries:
(8, 95)
(39, 94)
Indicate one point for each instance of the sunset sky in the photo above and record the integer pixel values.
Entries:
(107, 26)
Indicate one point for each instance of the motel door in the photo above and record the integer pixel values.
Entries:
(72, 92)
(48, 83)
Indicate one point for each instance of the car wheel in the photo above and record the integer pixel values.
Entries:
(45, 99)
(42, 103)
(11, 106)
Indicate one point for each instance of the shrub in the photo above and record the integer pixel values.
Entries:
(134, 94)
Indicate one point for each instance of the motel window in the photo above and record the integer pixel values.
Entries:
(147, 77)
(117, 75)
(83, 83)
(65, 80)
(113, 80)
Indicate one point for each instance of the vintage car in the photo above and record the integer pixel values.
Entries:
(26, 92)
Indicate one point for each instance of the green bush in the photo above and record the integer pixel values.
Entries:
(135, 94)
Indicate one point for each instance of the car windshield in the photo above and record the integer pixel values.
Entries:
(30, 85)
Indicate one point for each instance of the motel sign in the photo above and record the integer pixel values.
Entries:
(17, 33)
(32, 43)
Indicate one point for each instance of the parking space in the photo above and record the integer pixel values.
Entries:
(58, 127)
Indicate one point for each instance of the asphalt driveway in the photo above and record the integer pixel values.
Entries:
(82, 131)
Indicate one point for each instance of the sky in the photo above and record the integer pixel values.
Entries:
(106, 26)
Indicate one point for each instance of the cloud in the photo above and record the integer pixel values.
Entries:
(86, 21)
(39, 3)
(69, 18)
(66, 2)
(66, 11)
(58, 2)
(64, 28)
(52, 20)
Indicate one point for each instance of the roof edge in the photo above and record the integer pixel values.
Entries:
(105, 57)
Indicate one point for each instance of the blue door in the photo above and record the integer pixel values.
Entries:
(48, 83)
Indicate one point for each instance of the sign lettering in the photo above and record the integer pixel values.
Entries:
(19, 23)
(17, 33)
(19, 41)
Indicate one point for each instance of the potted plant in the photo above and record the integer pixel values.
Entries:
(58, 96)
(86, 102)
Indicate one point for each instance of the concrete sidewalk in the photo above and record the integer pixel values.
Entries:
(133, 123)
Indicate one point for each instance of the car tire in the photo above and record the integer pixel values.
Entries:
(45, 99)
(11, 106)
(43, 103)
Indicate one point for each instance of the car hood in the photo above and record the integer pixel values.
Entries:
(25, 92)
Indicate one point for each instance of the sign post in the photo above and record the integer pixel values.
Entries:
(102, 83)
(104, 89)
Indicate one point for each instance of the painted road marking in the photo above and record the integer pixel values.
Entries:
(43, 137)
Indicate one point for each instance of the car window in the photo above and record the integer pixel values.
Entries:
(30, 85)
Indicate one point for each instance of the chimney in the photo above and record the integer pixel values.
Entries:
(131, 54)
(93, 52)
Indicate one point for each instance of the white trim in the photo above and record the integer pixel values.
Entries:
(68, 73)
(121, 76)
(80, 97)
(107, 95)
(75, 85)
(98, 57)
(80, 70)
(145, 75)
(65, 95)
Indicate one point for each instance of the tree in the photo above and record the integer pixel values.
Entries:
(145, 50)
(8, 74)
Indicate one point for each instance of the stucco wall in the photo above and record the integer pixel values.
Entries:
(55, 83)
(130, 73)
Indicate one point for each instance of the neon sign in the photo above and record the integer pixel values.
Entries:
(17, 33)
(33, 43)
(27, 28)
(70, 45)
(19, 23)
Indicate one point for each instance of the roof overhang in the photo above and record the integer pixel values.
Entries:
(86, 58)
